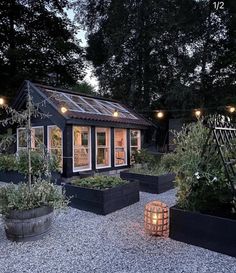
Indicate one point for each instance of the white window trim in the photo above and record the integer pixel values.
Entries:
(107, 166)
(126, 154)
(48, 141)
(139, 141)
(23, 128)
(90, 152)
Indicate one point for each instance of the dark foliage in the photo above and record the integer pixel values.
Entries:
(175, 54)
(37, 42)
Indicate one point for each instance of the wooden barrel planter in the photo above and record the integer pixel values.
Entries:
(28, 225)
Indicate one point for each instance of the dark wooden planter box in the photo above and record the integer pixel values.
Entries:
(207, 231)
(151, 183)
(102, 201)
(15, 177)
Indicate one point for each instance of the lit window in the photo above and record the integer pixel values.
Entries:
(120, 147)
(82, 151)
(55, 143)
(103, 147)
(37, 138)
(135, 143)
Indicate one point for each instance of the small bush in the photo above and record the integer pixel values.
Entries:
(20, 163)
(200, 180)
(99, 182)
(144, 157)
(8, 162)
(19, 197)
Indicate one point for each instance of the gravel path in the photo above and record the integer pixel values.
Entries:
(83, 242)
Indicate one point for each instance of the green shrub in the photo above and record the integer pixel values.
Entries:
(144, 157)
(20, 163)
(99, 182)
(8, 162)
(19, 197)
(201, 181)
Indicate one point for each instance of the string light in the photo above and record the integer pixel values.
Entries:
(232, 109)
(2, 101)
(160, 114)
(197, 113)
(63, 109)
(116, 114)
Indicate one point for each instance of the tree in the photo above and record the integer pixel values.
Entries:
(37, 42)
(173, 54)
(84, 87)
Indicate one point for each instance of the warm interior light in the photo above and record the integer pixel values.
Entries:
(198, 113)
(116, 114)
(232, 109)
(1, 101)
(160, 114)
(63, 110)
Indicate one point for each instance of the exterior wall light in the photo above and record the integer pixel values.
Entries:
(63, 110)
(116, 114)
(156, 219)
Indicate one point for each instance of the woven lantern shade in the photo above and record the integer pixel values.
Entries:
(156, 219)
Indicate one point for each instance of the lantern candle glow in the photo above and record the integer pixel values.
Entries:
(156, 219)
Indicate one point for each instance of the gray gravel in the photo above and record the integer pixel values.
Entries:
(84, 242)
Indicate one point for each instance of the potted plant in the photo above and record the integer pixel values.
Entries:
(27, 208)
(101, 194)
(205, 211)
(154, 176)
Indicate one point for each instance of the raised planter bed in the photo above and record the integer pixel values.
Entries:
(151, 183)
(207, 231)
(102, 201)
(15, 177)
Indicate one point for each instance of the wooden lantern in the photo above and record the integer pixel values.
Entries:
(156, 219)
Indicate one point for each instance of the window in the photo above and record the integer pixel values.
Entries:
(120, 147)
(81, 148)
(37, 138)
(55, 142)
(135, 143)
(103, 147)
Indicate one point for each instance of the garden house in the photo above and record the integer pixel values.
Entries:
(85, 132)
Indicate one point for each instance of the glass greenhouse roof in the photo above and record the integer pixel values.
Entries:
(90, 105)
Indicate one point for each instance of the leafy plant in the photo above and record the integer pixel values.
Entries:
(200, 180)
(40, 164)
(8, 162)
(99, 182)
(20, 197)
(144, 157)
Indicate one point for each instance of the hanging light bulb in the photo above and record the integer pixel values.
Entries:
(160, 114)
(232, 109)
(63, 110)
(2, 101)
(198, 113)
(116, 114)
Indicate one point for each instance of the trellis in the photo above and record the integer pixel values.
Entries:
(222, 141)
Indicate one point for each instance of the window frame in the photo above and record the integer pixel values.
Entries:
(76, 169)
(125, 147)
(96, 148)
(17, 137)
(48, 141)
(139, 142)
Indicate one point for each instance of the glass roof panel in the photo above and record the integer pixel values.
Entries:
(78, 103)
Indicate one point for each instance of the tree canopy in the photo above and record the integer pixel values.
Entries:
(174, 54)
(37, 42)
